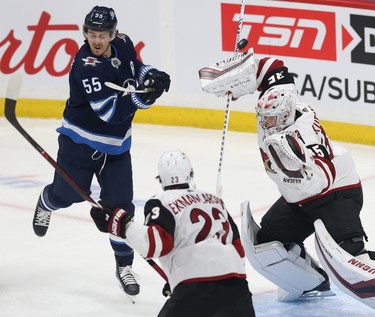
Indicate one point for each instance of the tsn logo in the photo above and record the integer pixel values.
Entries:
(282, 31)
(300, 33)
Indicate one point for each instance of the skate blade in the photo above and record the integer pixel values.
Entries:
(317, 294)
(131, 298)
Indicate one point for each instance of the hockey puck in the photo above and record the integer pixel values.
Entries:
(242, 44)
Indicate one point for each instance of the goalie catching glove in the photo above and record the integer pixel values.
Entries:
(109, 219)
(236, 75)
(289, 154)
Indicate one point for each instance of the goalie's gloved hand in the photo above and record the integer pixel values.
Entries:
(156, 80)
(166, 290)
(110, 219)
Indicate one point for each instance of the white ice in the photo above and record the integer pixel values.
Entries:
(70, 271)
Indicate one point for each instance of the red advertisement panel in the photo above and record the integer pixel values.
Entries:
(282, 31)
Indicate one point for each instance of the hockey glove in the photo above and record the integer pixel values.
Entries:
(161, 77)
(110, 219)
(288, 152)
(156, 80)
(117, 222)
(166, 291)
(101, 216)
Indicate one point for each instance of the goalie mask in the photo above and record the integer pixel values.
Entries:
(175, 169)
(276, 109)
(101, 19)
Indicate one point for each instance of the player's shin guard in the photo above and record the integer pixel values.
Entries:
(354, 275)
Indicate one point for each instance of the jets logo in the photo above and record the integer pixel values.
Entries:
(90, 61)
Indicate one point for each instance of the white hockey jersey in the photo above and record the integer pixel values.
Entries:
(333, 165)
(192, 234)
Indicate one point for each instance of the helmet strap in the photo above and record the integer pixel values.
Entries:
(108, 49)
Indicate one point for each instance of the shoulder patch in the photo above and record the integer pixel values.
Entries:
(122, 36)
(90, 61)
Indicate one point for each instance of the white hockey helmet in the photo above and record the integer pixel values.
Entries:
(276, 109)
(175, 169)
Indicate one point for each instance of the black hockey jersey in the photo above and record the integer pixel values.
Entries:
(95, 114)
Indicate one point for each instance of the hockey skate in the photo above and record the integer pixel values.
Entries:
(322, 290)
(127, 281)
(41, 220)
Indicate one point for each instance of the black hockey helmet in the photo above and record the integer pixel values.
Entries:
(101, 19)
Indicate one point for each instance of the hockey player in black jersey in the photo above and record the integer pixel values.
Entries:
(96, 132)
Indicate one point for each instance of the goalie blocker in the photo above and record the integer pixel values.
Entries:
(236, 75)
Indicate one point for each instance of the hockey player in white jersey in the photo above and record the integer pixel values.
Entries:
(196, 241)
(320, 189)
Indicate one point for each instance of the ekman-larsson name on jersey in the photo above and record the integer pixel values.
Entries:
(186, 200)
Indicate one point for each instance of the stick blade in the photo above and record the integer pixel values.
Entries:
(14, 87)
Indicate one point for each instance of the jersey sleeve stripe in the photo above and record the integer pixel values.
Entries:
(151, 242)
(328, 175)
(166, 240)
(239, 248)
(266, 65)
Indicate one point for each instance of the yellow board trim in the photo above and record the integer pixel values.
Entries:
(197, 118)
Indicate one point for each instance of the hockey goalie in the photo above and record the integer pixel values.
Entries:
(320, 190)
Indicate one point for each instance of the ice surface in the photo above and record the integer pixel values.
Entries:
(70, 271)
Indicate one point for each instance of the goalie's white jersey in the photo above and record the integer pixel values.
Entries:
(192, 234)
(333, 167)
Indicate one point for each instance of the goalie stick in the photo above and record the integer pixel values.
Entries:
(239, 44)
(126, 90)
(11, 96)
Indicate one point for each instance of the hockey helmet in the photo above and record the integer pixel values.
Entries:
(175, 169)
(276, 108)
(101, 19)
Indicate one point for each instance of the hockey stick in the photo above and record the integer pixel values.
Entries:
(219, 188)
(11, 96)
(127, 91)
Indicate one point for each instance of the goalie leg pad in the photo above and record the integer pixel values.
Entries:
(354, 275)
(286, 269)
